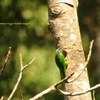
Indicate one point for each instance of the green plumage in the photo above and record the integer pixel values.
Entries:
(61, 62)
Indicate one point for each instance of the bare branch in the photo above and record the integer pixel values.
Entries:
(89, 54)
(20, 75)
(16, 85)
(21, 61)
(79, 93)
(6, 60)
(93, 94)
(51, 88)
(24, 67)
(63, 80)
(82, 68)
(2, 98)
(21, 95)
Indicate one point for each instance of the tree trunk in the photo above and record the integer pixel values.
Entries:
(63, 24)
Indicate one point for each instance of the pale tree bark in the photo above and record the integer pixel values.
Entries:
(63, 24)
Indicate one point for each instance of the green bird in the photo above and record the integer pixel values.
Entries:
(61, 62)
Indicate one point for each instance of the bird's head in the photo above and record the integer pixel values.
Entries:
(62, 51)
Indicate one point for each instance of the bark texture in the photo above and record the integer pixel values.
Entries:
(63, 24)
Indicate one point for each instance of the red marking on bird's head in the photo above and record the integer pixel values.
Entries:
(64, 53)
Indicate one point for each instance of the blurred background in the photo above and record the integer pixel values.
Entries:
(34, 39)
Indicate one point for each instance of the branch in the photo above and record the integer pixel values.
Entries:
(2, 98)
(51, 88)
(20, 75)
(21, 95)
(79, 93)
(89, 54)
(82, 68)
(6, 60)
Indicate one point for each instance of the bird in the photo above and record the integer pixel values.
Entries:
(61, 61)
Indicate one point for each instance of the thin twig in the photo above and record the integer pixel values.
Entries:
(21, 95)
(93, 94)
(24, 67)
(89, 54)
(6, 60)
(51, 88)
(20, 75)
(21, 61)
(16, 85)
(80, 71)
(2, 98)
(79, 93)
